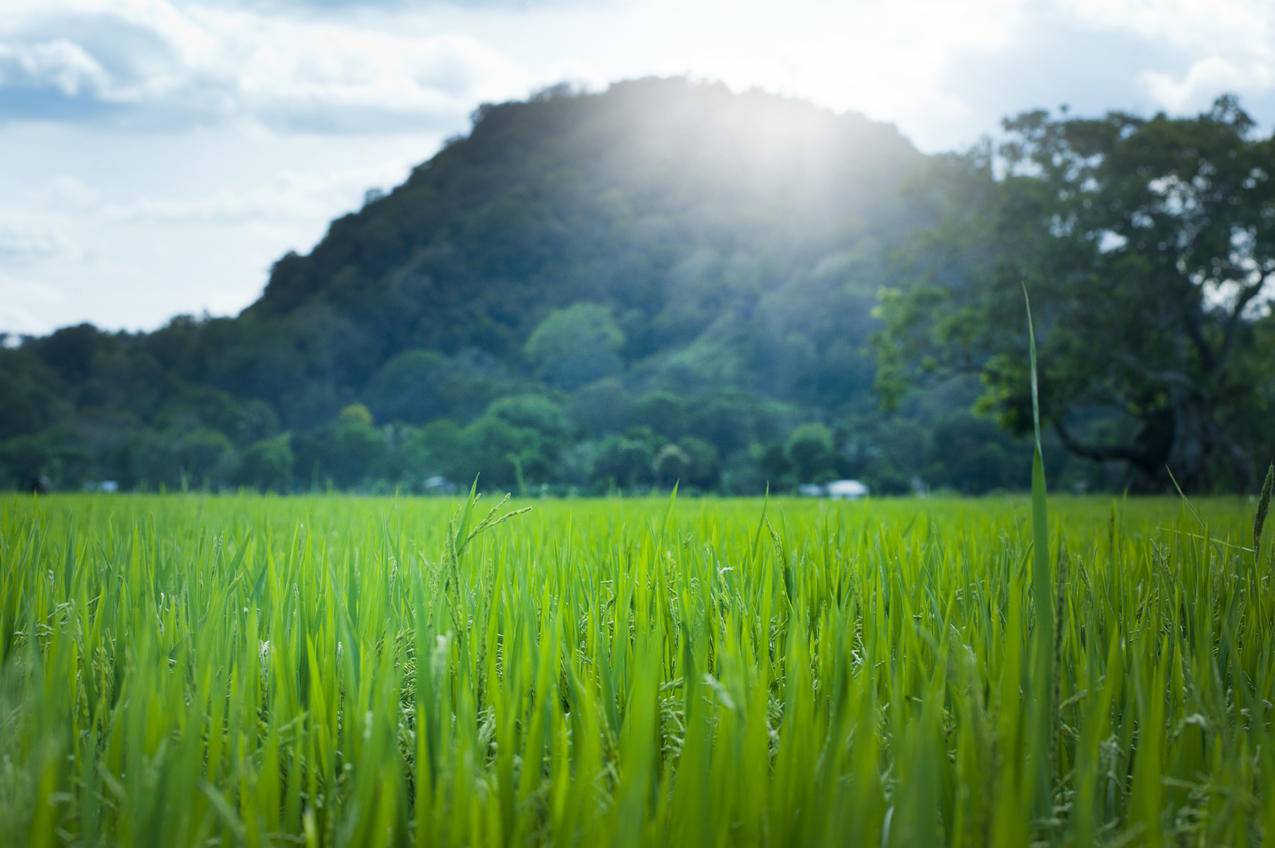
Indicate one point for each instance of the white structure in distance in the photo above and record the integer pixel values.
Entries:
(837, 489)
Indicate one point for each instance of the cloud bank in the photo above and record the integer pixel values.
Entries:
(154, 65)
(161, 153)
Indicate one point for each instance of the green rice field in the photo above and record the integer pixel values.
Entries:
(243, 670)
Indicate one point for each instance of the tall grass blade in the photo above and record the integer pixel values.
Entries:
(1259, 518)
(1042, 593)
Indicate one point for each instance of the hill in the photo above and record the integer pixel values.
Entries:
(665, 281)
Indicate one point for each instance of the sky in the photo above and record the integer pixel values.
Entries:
(156, 156)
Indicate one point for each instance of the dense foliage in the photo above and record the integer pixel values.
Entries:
(662, 282)
(588, 292)
(1148, 246)
(338, 671)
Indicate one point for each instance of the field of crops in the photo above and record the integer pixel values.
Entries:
(352, 671)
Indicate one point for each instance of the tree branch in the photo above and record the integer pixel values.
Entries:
(1164, 377)
(1099, 453)
(1195, 332)
(1233, 320)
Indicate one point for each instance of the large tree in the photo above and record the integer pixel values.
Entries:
(1148, 247)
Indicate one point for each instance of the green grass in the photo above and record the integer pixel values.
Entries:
(352, 671)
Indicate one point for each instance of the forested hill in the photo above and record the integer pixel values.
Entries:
(666, 281)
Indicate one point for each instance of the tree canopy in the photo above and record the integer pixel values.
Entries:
(1148, 247)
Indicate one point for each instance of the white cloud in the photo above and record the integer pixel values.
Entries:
(24, 241)
(889, 60)
(1222, 45)
(1243, 25)
(1205, 79)
(160, 154)
(25, 304)
(149, 63)
(150, 225)
(291, 196)
(60, 64)
(66, 192)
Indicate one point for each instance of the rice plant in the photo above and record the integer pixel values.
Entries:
(344, 671)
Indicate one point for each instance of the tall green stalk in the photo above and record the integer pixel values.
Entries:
(1043, 688)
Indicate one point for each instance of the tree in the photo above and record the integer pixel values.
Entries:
(534, 412)
(702, 467)
(346, 451)
(420, 385)
(670, 465)
(773, 464)
(663, 412)
(504, 454)
(724, 419)
(54, 459)
(267, 464)
(29, 390)
(406, 388)
(204, 457)
(576, 345)
(355, 414)
(70, 351)
(602, 407)
(1147, 246)
(242, 421)
(810, 451)
(427, 451)
(625, 460)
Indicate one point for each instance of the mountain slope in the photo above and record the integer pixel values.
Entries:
(668, 201)
(662, 281)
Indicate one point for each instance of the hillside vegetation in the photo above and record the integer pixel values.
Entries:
(662, 282)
